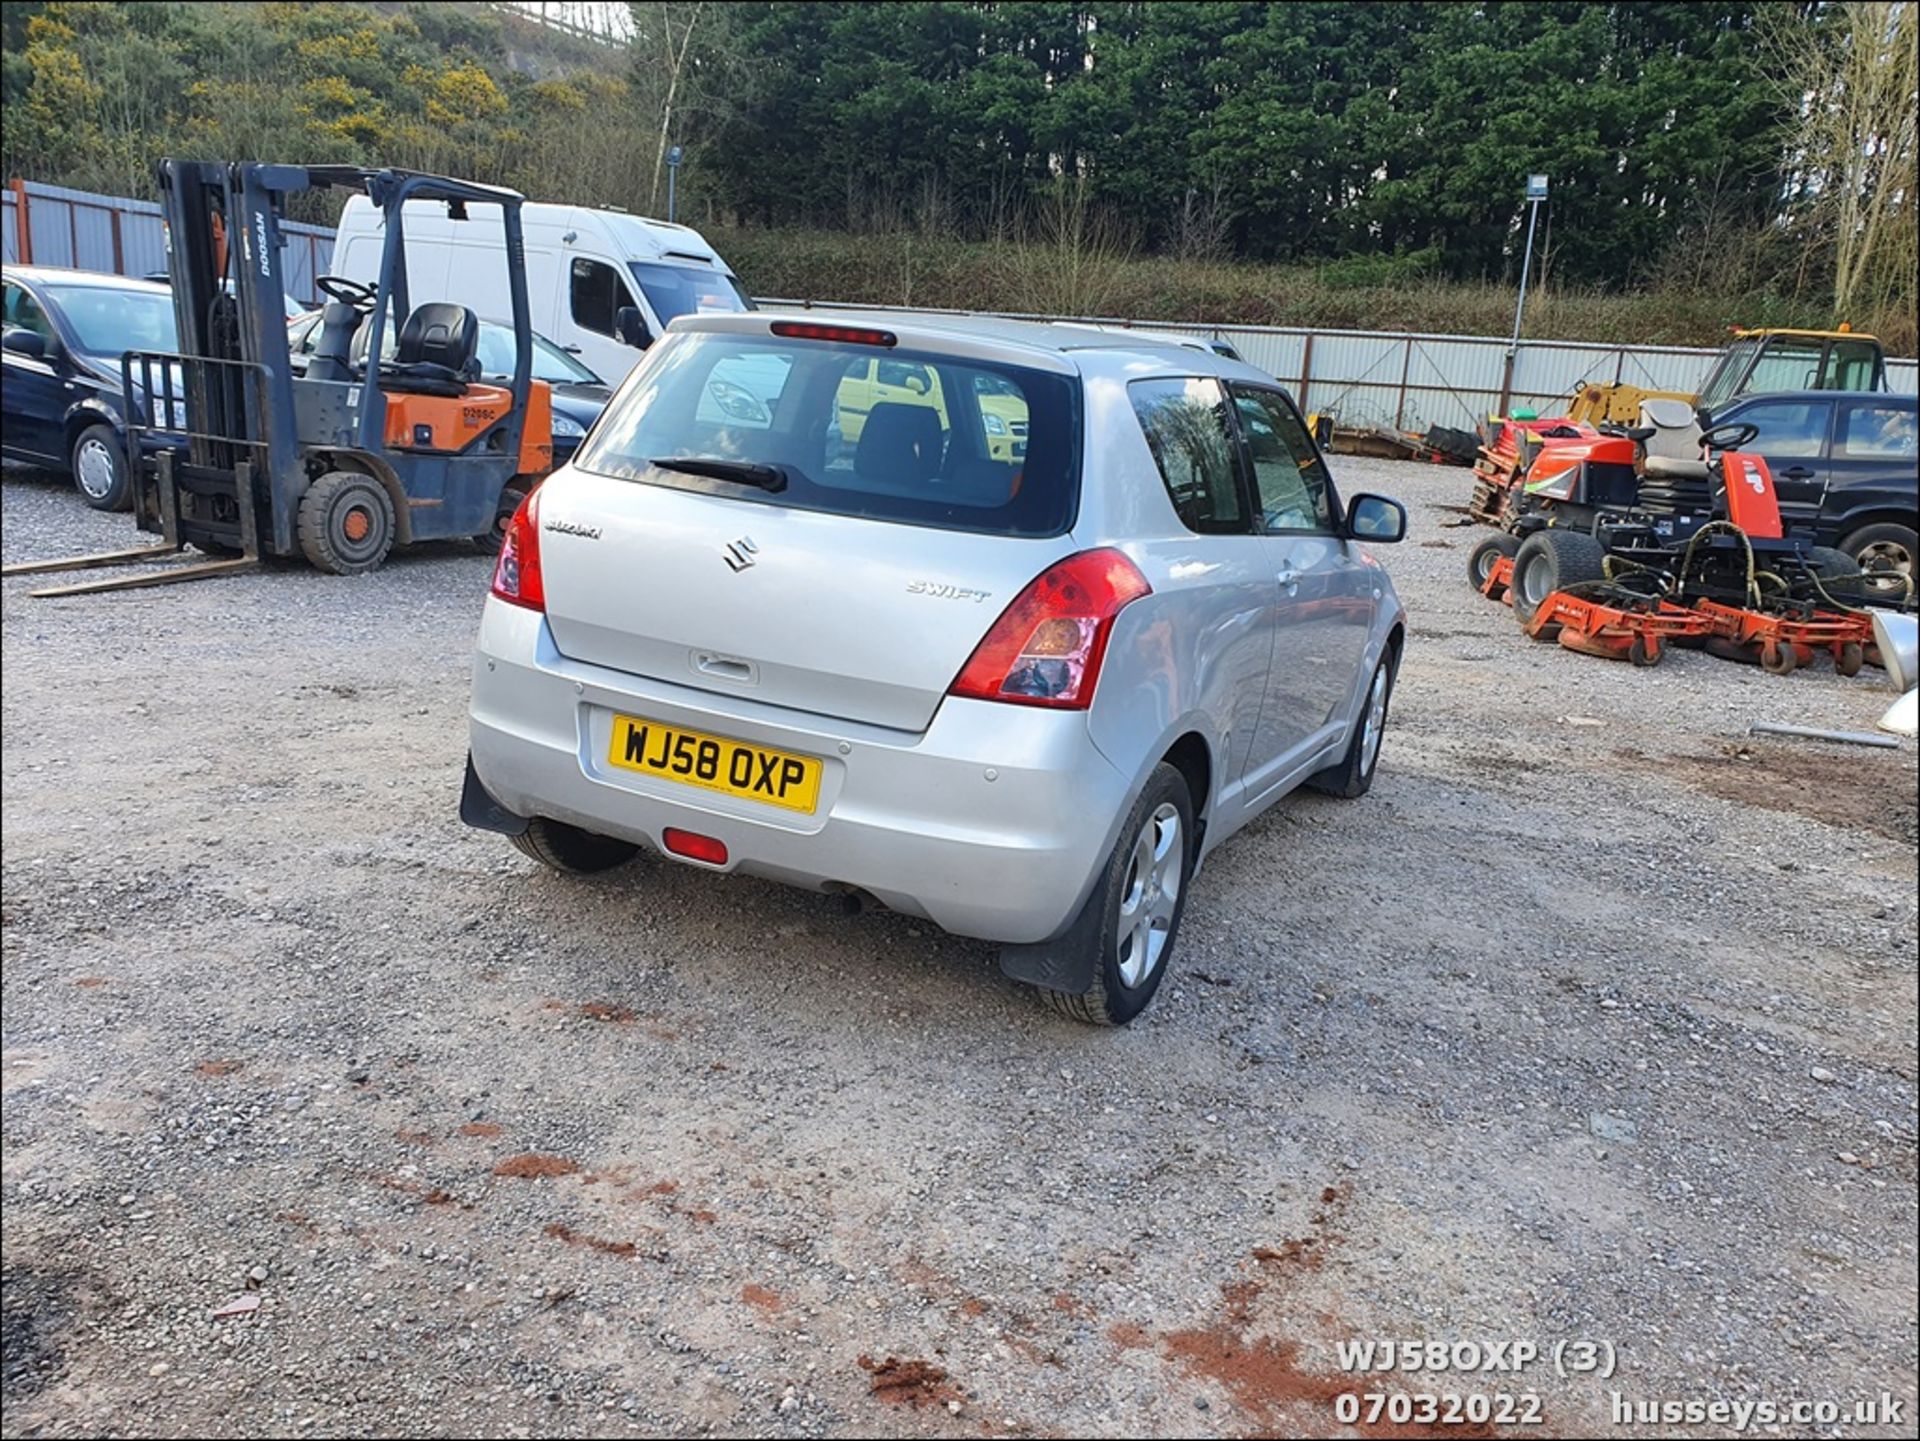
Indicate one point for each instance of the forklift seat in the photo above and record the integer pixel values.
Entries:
(438, 351)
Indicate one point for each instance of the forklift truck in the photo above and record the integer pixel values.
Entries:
(234, 454)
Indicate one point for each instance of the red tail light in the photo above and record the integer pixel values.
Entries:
(516, 575)
(1047, 648)
(846, 334)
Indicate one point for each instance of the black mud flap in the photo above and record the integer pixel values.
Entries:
(1068, 962)
(480, 810)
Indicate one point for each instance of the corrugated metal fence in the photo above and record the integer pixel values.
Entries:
(51, 225)
(1413, 382)
(1365, 378)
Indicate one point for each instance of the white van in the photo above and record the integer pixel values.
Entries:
(584, 267)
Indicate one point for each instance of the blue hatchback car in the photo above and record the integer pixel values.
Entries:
(61, 404)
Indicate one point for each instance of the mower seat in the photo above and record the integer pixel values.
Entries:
(438, 353)
(1673, 448)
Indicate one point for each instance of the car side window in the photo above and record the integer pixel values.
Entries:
(1790, 429)
(597, 294)
(1186, 425)
(23, 311)
(1290, 478)
(1877, 430)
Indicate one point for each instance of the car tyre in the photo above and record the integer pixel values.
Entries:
(571, 850)
(1353, 776)
(488, 542)
(1132, 919)
(1883, 552)
(99, 464)
(346, 523)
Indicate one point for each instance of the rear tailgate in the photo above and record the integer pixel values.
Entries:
(842, 616)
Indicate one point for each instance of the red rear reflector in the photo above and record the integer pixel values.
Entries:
(695, 847)
(846, 334)
(1047, 648)
(516, 575)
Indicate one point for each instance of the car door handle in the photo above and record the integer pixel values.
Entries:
(1798, 472)
(1290, 578)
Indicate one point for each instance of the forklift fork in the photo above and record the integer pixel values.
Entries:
(167, 503)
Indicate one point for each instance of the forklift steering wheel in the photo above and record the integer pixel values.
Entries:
(1729, 436)
(350, 292)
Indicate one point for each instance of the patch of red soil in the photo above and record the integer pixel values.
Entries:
(438, 1197)
(626, 1250)
(91, 983)
(481, 1128)
(1128, 1337)
(701, 1216)
(1302, 1255)
(607, 1011)
(762, 1298)
(532, 1165)
(1073, 1306)
(973, 1308)
(662, 1188)
(217, 1068)
(414, 1138)
(908, 1383)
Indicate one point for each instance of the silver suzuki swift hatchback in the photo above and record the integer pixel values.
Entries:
(1005, 626)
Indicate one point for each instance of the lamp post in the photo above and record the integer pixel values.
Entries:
(673, 171)
(1536, 192)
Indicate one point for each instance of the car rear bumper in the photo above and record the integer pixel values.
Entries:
(990, 824)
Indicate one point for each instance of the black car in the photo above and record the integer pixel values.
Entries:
(1846, 466)
(578, 394)
(60, 405)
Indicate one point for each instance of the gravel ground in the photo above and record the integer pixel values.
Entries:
(1595, 1021)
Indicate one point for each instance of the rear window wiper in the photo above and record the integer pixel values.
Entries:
(767, 477)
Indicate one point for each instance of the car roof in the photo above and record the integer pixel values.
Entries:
(1810, 396)
(1069, 346)
(60, 275)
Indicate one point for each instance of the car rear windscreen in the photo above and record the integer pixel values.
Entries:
(862, 430)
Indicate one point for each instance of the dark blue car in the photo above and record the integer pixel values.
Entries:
(1846, 467)
(60, 405)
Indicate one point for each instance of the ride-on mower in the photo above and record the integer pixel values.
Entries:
(1616, 546)
(338, 464)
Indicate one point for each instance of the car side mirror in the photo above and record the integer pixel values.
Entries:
(1374, 517)
(630, 328)
(21, 341)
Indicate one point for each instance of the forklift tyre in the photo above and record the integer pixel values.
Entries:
(346, 523)
(99, 463)
(1550, 560)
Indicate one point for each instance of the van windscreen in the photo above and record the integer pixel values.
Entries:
(685, 289)
(889, 434)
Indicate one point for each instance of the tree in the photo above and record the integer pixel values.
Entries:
(1851, 74)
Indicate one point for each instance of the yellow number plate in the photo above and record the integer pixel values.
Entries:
(714, 763)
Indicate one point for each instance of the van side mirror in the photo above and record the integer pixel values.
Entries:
(1374, 517)
(21, 341)
(630, 328)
